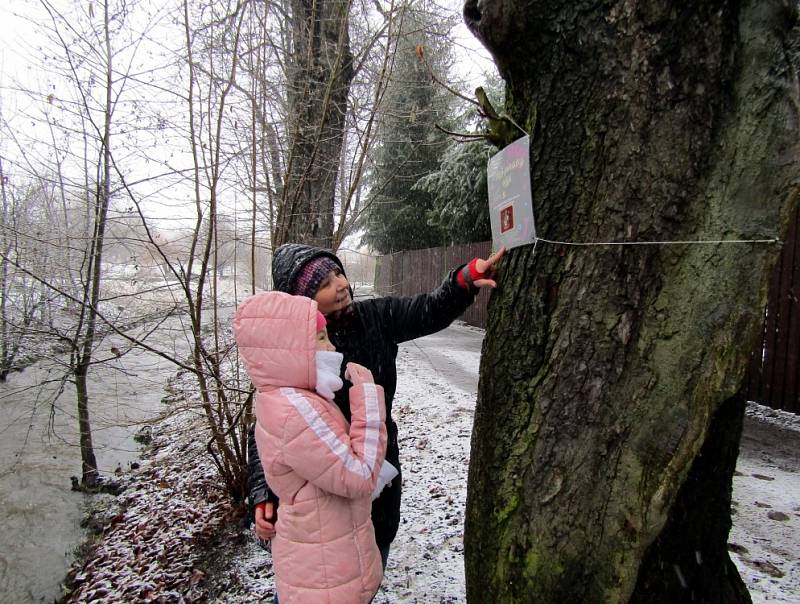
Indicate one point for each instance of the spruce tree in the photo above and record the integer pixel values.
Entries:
(410, 145)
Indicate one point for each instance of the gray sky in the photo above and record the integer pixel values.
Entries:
(19, 50)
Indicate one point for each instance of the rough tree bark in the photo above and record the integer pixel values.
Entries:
(318, 78)
(608, 421)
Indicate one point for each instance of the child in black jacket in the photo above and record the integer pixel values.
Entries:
(367, 332)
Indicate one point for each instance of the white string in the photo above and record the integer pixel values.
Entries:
(521, 129)
(678, 242)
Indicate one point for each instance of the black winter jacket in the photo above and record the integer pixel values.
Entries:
(369, 336)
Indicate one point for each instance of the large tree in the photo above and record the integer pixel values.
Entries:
(318, 85)
(608, 419)
(460, 204)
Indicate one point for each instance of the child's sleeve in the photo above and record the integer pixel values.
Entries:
(318, 448)
(409, 317)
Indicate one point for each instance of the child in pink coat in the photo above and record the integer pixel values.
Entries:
(323, 468)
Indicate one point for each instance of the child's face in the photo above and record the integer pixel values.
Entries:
(323, 343)
(333, 293)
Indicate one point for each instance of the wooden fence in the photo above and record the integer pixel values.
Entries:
(416, 271)
(774, 373)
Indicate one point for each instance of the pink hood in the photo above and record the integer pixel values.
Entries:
(276, 336)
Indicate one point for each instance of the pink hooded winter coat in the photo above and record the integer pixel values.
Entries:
(322, 468)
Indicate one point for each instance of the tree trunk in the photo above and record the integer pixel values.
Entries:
(89, 474)
(5, 245)
(688, 561)
(86, 333)
(607, 421)
(319, 80)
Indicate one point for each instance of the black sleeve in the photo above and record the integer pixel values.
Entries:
(257, 488)
(412, 317)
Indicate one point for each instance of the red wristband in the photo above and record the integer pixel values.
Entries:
(469, 274)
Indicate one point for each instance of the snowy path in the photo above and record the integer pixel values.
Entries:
(438, 378)
(433, 407)
(765, 539)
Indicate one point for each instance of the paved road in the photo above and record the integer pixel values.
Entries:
(453, 353)
(772, 444)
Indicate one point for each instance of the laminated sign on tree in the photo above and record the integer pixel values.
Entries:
(510, 203)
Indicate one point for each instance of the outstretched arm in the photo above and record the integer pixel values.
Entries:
(407, 318)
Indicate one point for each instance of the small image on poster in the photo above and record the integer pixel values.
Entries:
(510, 203)
(506, 219)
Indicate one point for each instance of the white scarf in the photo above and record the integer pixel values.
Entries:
(329, 364)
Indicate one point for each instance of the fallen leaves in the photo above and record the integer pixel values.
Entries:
(150, 551)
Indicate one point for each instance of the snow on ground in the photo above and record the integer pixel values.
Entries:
(434, 423)
(177, 523)
(151, 546)
(765, 539)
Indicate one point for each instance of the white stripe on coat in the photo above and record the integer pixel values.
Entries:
(328, 436)
(373, 424)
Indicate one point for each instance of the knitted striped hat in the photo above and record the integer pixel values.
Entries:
(311, 276)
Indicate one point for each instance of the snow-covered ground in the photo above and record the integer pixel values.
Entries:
(765, 539)
(177, 524)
